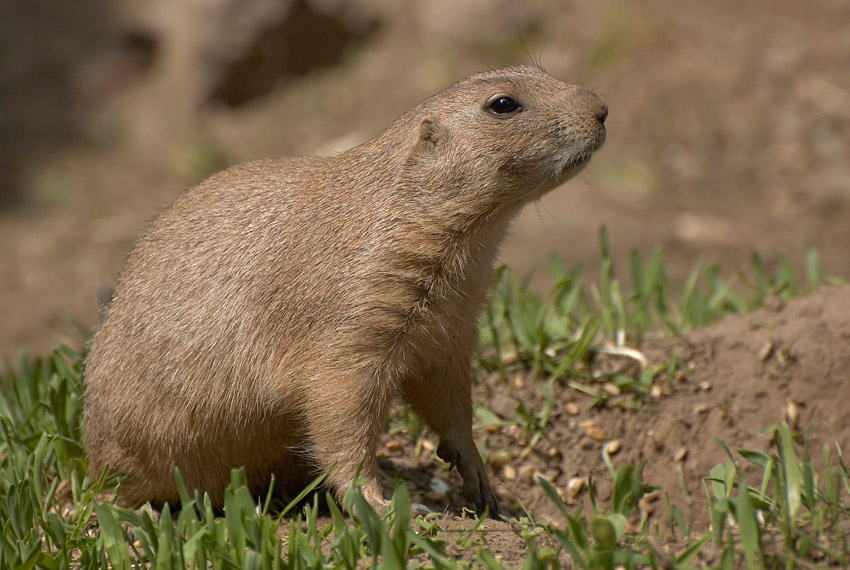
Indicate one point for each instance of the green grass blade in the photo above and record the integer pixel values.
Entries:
(814, 270)
(306, 491)
(111, 538)
(747, 523)
(793, 475)
(553, 495)
(684, 559)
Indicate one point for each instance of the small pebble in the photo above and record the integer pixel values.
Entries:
(438, 486)
(705, 386)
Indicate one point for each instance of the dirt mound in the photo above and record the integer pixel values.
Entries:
(789, 361)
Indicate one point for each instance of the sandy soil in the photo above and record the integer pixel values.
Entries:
(786, 363)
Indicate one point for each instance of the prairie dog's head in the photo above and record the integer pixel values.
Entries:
(506, 136)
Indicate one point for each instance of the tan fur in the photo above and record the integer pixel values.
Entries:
(269, 317)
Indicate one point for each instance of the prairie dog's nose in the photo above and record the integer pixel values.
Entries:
(602, 112)
(593, 103)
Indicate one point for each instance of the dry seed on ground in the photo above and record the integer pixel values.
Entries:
(646, 502)
(505, 495)
(509, 357)
(509, 472)
(613, 446)
(792, 413)
(680, 454)
(596, 434)
(572, 408)
(514, 431)
(766, 351)
(527, 471)
(612, 389)
(593, 432)
(519, 381)
(575, 486)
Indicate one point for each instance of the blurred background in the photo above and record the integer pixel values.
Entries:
(729, 129)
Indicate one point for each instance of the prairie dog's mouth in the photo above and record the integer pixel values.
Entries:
(578, 160)
(575, 165)
(591, 145)
(598, 140)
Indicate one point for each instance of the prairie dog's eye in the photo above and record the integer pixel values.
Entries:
(503, 105)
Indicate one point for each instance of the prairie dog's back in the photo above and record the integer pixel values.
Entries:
(212, 274)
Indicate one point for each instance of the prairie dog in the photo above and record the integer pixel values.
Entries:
(269, 317)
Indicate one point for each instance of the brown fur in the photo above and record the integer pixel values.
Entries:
(269, 317)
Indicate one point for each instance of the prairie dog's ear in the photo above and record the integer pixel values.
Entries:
(431, 133)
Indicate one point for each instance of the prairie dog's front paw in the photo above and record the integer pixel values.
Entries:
(476, 487)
